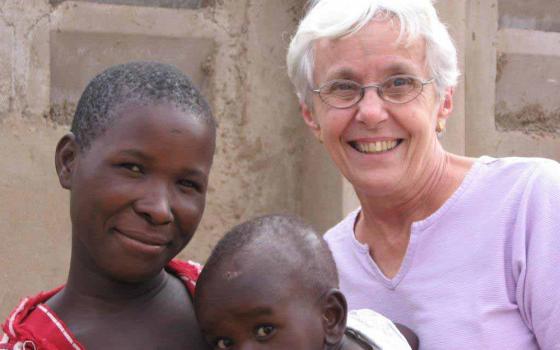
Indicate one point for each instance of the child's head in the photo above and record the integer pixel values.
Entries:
(271, 281)
(137, 164)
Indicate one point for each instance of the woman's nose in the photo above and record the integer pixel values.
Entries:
(371, 109)
(155, 205)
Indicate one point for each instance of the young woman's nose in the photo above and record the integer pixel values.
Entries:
(371, 109)
(155, 205)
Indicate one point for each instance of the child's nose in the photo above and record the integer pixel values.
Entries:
(251, 345)
(155, 206)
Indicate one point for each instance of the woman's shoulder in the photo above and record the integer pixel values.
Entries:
(520, 164)
(519, 171)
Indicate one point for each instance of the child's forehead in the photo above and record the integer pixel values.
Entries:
(262, 273)
(264, 261)
(247, 290)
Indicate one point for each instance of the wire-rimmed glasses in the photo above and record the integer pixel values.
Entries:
(399, 89)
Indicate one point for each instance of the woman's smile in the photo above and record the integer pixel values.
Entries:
(375, 147)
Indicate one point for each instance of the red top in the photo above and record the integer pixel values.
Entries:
(34, 326)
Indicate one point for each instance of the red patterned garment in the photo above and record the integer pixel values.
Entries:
(34, 326)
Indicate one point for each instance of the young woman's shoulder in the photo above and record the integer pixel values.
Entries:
(33, 325)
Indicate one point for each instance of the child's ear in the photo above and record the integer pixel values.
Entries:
(65, 159)
(334, 316)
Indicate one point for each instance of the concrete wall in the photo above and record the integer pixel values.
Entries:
(234, 49)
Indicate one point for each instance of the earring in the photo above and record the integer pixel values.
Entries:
(320, 134)
(440, 127)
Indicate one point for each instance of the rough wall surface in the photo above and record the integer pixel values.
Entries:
(233, 49)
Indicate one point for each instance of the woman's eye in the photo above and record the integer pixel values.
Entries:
(264, 331)
(343, 86)
(396, 82)
(223, 343)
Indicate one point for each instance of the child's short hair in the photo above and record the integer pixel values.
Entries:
(141, 82)
(283, 239)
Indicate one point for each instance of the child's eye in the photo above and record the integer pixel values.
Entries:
(264, 331)
(135, 168)
(223, 343)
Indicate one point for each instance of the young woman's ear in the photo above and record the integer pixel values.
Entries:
(65, 159)
(334, 316)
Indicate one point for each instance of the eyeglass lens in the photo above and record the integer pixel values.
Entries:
(346, 93)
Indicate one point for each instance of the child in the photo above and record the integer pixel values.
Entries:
(272, 283)
(136, 164)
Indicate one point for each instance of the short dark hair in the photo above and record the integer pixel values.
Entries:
(292, 244)
(142, 82)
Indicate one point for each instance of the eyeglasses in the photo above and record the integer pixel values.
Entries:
(397, 89)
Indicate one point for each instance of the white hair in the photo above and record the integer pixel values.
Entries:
(331, 19)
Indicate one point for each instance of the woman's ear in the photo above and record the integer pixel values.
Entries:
(65, 159)
(446, 106)
(307, 114)
(334, 316)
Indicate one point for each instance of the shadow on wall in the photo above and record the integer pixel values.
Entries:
(542, 15)
(176, 4)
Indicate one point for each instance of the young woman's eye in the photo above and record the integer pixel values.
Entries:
(264, 331)
(190, 184)
(223, 343)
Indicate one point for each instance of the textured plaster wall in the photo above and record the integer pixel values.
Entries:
(233, 49)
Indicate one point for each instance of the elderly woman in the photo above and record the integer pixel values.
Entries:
(464, 251)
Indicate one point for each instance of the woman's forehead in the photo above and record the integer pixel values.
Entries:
(376, 46)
